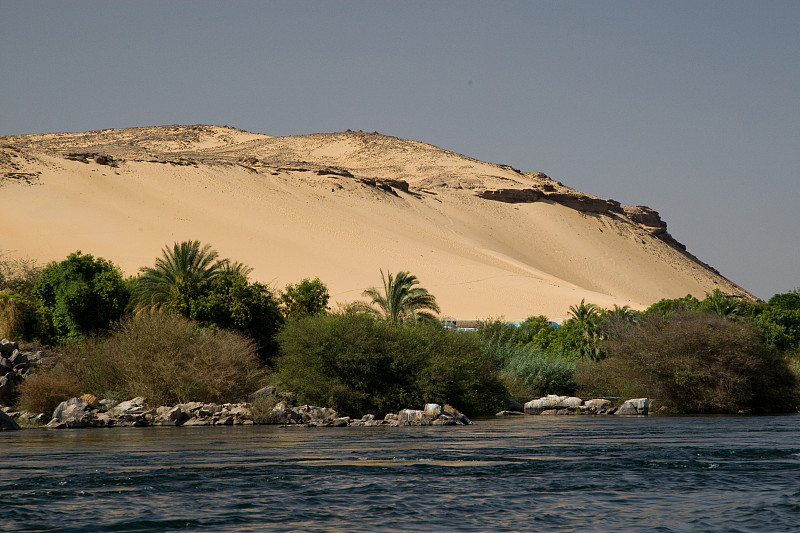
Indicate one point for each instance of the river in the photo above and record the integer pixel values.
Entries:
(533, 473)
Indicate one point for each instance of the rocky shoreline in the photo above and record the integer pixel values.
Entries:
(266, 407)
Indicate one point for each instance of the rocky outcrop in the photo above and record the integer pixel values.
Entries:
(14, 367)
(7, 423)
(512, 196)
(566, 405)
(78, 413)
(636, 406)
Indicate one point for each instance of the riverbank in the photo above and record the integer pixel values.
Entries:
(267, 406)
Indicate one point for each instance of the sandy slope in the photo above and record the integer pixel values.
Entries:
(307, 206)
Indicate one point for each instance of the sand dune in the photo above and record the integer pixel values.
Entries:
(487, 240)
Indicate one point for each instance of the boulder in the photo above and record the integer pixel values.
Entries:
(432, 410)
(91, 400)
(264, 393)
(7, 347)
(410, 415)
(73, 413)
(552, 402)
(136, 406)
(598, 403)
(339, 422)
(8, 387)
(7, 423)
(514, 405)
(72, 408)
(636, 406)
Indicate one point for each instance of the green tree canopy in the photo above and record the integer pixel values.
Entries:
(788, 300)
(307, 298)
(79, 296)
(231, 302)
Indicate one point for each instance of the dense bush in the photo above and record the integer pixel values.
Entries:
(693, 362)
(307, 298)
(79, 296)
(43, 391)
(17, 316)
(357, 365)
(530, 372)
(17, 308)
(164, 357)
(232, 302)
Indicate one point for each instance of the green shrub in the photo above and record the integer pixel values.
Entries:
(357, 365)
(232, 302)
(539, 373)
(79, 296)
(166, 358)
(307, 298)
(693, 362)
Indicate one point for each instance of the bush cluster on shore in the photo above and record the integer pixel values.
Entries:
(194, 328)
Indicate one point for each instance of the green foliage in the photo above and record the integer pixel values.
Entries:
(693, 363)
(538, 373)
(722, 304)
(780, 327)
(79, 296)
(231, 302)
(583, 329)
(359, 365)
(788, 300)
(495, 331)
(179, 275)
(191, 280)
(667, 307)
(401, 301)
(166, 358)
(307, 298)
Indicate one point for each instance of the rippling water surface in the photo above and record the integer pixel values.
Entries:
(520, 474)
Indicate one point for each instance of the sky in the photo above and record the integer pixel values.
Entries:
(691, 108)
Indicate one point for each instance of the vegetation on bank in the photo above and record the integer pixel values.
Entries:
(194, 327)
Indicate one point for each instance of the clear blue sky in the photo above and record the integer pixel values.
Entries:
(691, 108)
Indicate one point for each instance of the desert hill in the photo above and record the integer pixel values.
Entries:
(487, 240)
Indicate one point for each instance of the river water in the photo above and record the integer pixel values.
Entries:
(533, 473)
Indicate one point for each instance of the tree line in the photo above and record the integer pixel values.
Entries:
(150, 335)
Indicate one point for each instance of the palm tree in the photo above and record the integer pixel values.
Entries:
(583, 312)
(622, 315)
(182, 272)
(721, 304)
(400, 300)
(586, 317)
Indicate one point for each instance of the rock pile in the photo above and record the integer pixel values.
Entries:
(88, 411)
(569, 405)
(14, 367)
